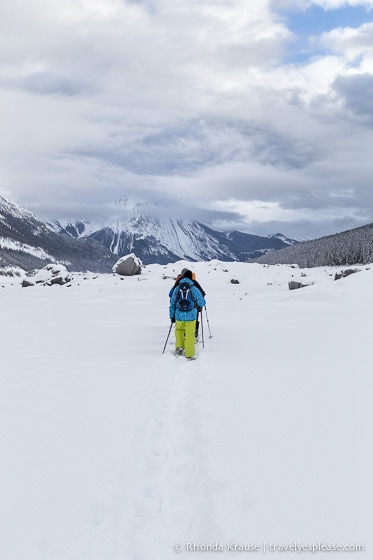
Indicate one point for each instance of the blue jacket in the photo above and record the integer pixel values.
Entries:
(186, 315)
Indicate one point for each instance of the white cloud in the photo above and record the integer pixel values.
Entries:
(181, 101)
(351, 43)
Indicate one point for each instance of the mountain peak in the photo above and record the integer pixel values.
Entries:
(13, 209)
(283, 238)
(27, 243)
(133, 205)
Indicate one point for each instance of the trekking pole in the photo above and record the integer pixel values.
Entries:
(203, 339)
(208, 322)
(168, 336)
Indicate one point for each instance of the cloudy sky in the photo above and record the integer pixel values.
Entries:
(245, 115)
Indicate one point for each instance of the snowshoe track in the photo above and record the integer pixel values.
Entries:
(171, 486)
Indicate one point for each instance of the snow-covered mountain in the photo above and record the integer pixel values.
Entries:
(28, 243)
(255, 245)
(154, 236)
(283, 238)
(142, 227)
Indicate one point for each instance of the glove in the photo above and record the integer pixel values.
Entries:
(172, 320)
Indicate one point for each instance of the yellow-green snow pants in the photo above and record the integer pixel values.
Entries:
(186, 337)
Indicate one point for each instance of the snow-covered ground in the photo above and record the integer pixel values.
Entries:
(112, 451)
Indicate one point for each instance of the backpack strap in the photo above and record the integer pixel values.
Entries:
(188, 287)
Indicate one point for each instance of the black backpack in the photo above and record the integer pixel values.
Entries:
(184, 299)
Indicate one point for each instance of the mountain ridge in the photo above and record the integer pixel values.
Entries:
(143, 228)
(148, 230)
(28, 243)
(168, 240)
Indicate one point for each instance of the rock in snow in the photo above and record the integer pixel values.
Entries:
(129, 265)
(49, 275)
(295, 285)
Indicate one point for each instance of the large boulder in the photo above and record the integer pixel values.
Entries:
(48, 276)
(129, 265)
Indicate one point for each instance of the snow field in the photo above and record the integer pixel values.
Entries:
(111, 450)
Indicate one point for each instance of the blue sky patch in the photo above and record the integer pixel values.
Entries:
(315, 21)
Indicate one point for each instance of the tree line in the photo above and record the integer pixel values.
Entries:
(341, 249)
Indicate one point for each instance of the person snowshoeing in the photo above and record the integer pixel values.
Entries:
(197, 285)
(180, 276)
(185, 301)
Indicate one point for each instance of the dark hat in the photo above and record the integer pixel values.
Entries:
(188, 274)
